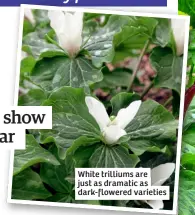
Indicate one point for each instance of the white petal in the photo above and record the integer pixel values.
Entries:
(113, 133)
(29, 15)
(57, 22)
(178, 28)
(155, 204)
(74, 27)
(126, 115)
(98, 111)
(161, 173)
(68, 27)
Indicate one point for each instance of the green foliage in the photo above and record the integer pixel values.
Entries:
(187, 6)
(187, 175)
(28, 185)
(33, 154)
(168, 67)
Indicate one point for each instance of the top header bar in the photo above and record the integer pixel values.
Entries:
(89, 3)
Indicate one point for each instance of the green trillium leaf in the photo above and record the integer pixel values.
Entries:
(82, 155)
(39, 48)
(34, 97)
(112, 157)
(33, 154)
(141, 146)
(55, 176)
(41, 16)
(122, 100)
(163, 35)
(57, 72)
(100, 44)
(133, 36)
(152, 129)
(119, 77)
(152, 122)
(71, 119)
(168, 68)
(27, 185)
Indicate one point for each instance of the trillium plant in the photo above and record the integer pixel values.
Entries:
(114, 83)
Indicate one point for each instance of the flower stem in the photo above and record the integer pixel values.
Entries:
(168, 101)
(137, 65)
(147, 89)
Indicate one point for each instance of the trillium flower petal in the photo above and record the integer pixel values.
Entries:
(68, 27)
(73, 24)
(179, 34)
(57, 22)
(161, 173)
(98, 111)
(29, 15)
(126, 115)
(155, 204)
(113, 133)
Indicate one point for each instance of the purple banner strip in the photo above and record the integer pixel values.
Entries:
(113, 3)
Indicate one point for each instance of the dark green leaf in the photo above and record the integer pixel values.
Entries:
(122, 100)
(187, 193)
(188, 140)
(62, 71)
(71, 119)
(163, 35)
(28, 186)
(39, 48)
(140, 146)
(112, 157)
(133, 36)
(55, 176)
(168, 68)
(34, 97)
(187, 6)
(152, 128)
(119, 77)
(100, 44)
(33, 154)
(83, 154)
(41, 16)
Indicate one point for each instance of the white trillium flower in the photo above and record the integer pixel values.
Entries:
(179, 34)
(68, 28)
(159, 175)
(112, 130)
(29, 15)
